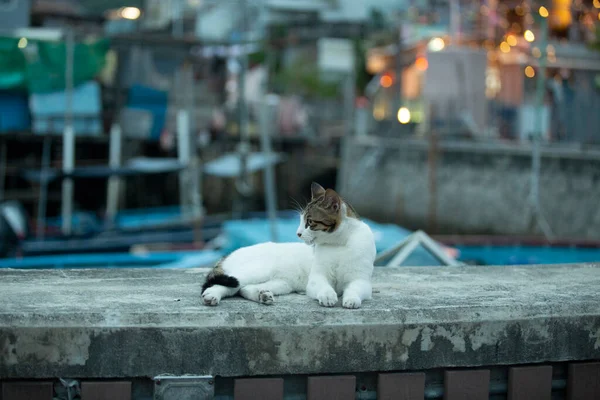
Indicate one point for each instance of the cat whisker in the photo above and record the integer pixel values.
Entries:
(296, 205)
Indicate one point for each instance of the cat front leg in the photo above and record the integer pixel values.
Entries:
(319, 288)
(356, 291)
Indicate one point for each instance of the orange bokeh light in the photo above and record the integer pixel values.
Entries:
(421, 63)
(386, 81)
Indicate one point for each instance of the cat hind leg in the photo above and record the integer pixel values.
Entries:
(218, 285)
(213, 295)
(265, 293)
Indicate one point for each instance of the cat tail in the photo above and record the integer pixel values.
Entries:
(218, 277)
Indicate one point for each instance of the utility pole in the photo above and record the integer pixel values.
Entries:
(534, 198)
(243, 186)
(68, 136)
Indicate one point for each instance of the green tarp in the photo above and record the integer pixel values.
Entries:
(12, 64)
(40, 66)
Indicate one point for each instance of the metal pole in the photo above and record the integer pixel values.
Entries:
(183, 153)
(194, 164)
(361, 121)
(432, 176)
(114, 161)
(193, 169)
(347, 139)
(349, 98)
(490, 27)
(269, 171)
(42, 201)
(455, 21)
(3, 163)
(399, 67)
(243, 186)
(265, 143)
(68, 138)
(537, 136)
(177, 15)
(196, 199)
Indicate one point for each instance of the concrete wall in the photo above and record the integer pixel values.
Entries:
(480, 189)
(137, 332)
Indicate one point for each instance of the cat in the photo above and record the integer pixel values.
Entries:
(338, 252)
(344, 250)
(259, 272)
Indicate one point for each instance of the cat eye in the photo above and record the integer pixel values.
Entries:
(309, 221)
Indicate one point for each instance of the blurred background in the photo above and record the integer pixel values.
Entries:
(183, 129)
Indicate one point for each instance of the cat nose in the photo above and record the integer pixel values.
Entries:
(299, 234)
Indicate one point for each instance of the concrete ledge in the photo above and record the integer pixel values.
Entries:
(493, 147)
(134, 323)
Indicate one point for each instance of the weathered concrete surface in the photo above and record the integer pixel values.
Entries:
(129, 323)
(481, 188)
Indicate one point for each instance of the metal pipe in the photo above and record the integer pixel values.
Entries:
(3, 162)
(269, 170)
(455, 21)
(266, 148)
(42, 201)
(399, 68)
(349, 97)
(177, 15)
(114, 161)
(537, 215)
(432, 174)
(183, 153)
(68, 137)
(242, 185)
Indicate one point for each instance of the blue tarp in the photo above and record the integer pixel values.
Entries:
(191, 259)
(88, 223)
(523, 255)
(238, 233)
(47, 110)
(14, 112)
(149, 99)
(241, 233)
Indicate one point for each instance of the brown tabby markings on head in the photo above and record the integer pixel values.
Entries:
(323, 211)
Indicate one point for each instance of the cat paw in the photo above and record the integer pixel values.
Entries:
(209, 298)
(327, 298)
(265, 297)
(351, 302)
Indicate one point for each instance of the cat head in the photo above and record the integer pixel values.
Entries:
(322, 217)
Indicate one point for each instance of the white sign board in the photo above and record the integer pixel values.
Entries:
(529, 119)
(335, 54)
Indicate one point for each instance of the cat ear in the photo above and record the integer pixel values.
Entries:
(316, 190)
(333, 200)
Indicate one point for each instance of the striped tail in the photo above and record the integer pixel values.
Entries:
(218, 277)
